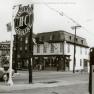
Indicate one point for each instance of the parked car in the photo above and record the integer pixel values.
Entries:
(4, 73)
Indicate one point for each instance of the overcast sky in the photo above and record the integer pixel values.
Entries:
(47, 17)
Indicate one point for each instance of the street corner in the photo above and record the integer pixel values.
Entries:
(17, 87)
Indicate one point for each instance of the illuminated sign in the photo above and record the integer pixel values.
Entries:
(23, 20)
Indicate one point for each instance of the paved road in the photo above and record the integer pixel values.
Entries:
(71, 89)
(45, 76)
(74, 83)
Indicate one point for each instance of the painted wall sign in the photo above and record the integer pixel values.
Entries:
(23, 20)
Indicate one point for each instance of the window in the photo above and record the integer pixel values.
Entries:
(80, 50)
(82, 41)
(26, 40)
(86, 51)
(76, 39)
(25, 47)
(52, 48)
(20, 48)
(61, 47)
(42, 38)
(68, 47)
(70, 37)
(21, 39)
(44, 48)
(38, 48)
(50, 37)
(80, 62)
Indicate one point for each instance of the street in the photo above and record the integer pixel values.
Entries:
(53, 83)
(71, 89)
(46, 76)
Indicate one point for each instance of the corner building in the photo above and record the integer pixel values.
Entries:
(57, 47)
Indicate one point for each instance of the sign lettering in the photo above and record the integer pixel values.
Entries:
(23, 20)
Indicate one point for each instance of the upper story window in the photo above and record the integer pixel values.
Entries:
(61, 47)
(76, 39)
(68, 48)
(20, 48)
(80, 62)
(44, 48)
(25, 47)
(26, 40)
(21, 39)
(38, 48)
(80, 50)
(82, 41)
(52, 48)
(70, 37)
(86, 51)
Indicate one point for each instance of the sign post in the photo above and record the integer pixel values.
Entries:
(23, 25)
(91, 75)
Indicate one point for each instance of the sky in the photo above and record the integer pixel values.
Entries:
(47, 16)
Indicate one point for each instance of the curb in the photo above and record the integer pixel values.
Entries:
(37, 85)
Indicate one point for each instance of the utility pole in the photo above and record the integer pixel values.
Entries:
(16, 52)
(30, 55)
(64, 55)
(74, 60)
(30, 59)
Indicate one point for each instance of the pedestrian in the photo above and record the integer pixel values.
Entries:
(40, 67)
(57, 66)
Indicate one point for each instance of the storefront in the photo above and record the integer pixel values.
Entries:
(52, 62)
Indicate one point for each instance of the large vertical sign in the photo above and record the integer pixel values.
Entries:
(23, 20)
(23, 24)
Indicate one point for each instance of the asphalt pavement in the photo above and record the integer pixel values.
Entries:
(43, 80)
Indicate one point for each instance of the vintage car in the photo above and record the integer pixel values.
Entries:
(4, 73)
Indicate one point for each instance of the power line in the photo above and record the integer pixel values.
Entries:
(71, 19)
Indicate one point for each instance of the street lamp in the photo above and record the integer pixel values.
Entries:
(74, 27)
(10, 82)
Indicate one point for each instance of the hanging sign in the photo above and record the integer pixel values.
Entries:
(23, 20)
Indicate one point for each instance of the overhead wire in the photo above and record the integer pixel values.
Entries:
(63, 14)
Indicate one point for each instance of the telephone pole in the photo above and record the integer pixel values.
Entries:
(74, 60)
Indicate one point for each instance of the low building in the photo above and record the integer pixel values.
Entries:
(57, 47)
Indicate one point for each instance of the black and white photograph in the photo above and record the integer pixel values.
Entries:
(46, 47)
